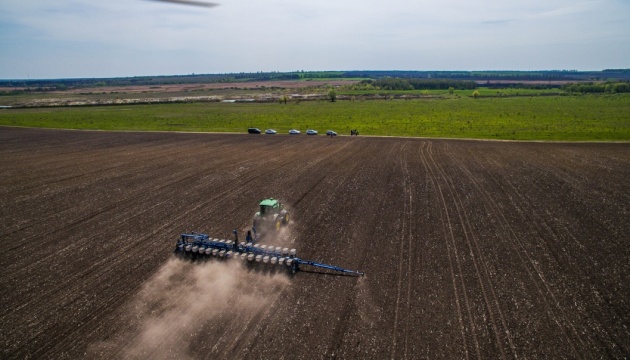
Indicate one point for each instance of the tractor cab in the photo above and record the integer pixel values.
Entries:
(272, 213)
(270, 207)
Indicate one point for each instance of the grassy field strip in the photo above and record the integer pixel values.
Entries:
(566, 118)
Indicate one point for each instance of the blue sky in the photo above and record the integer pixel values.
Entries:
(89, 38)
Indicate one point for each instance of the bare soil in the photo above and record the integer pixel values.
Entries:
(471, 249)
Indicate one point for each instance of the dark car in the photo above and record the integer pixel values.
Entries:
(254, 131)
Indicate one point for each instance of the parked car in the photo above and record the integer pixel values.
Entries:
(294, 132)
(270, 132)
(253, 131)
(331, 133)
(311, 132)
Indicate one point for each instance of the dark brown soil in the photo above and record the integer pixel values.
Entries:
(471, 249)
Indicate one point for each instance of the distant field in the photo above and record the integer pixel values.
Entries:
(483, 92)
(581, 118)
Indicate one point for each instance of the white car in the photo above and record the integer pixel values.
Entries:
(270, 131)
(311, 132)
(294, 132)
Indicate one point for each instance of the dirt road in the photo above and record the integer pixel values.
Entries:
(471, 249)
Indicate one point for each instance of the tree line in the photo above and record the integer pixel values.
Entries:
(604, 87)
(412, 77)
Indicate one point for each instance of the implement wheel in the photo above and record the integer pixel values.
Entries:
(285, 219)
(278, 224)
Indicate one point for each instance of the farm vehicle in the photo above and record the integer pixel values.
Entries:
(271, 215)
(197, 246)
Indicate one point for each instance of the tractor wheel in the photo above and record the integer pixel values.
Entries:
(285, 219)
(278, 224)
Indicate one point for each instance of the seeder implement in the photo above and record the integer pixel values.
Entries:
(198, 246)
(329, 267)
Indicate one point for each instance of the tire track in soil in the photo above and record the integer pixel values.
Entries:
(409, 214)
(333, 177)
(520, 251)
(524, 211)
(563, 320)
(485, 282)
(424, 154)
(469, 338)
(366, 225)
(250, 335)
(494, 306)
(406, 242)
(340, 332)
(239, 329)
(570, 263)
(566, 260)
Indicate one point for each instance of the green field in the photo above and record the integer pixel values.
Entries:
(582, 118)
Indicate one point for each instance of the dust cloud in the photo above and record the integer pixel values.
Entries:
(284, 237)
(181, 305)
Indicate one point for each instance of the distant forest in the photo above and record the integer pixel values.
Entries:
(385, 79)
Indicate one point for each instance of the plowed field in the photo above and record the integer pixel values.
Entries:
(471, 249)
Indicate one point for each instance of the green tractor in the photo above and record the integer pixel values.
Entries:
(272, 215)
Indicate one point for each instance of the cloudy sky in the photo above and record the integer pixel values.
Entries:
(107, 38)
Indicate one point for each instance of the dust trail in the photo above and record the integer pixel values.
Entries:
(285, 237)
(184, 299)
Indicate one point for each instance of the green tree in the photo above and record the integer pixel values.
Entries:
(332, 95)
(475, 94)
(451, 90)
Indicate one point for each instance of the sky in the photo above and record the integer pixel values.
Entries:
(44, 39)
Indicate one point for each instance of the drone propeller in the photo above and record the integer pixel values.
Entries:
(190, 2)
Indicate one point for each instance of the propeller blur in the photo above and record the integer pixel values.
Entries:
(190, 2)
